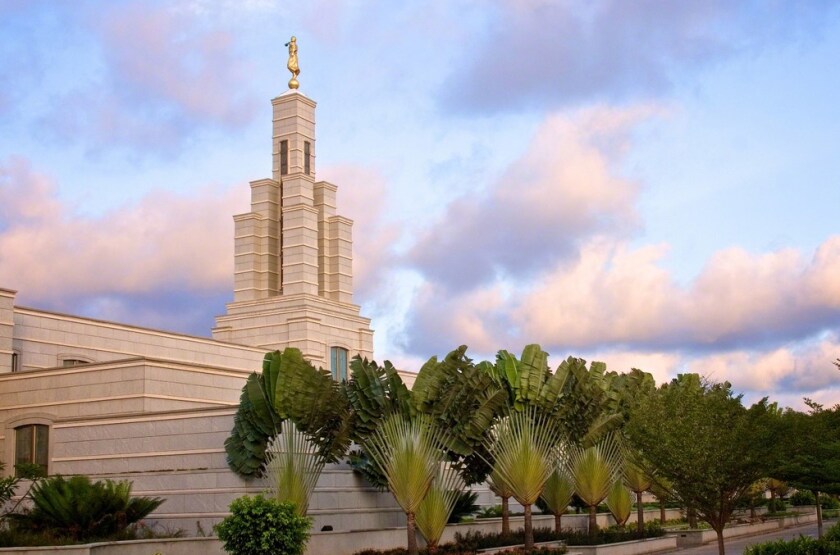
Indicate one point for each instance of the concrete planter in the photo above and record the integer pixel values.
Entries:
(637, 547)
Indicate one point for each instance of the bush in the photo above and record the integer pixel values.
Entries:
(473, 541)
(258, 525)
(801, 498)
(776, 506)
(833, 533)
(452, 549)
(82, 510)
(464, 505)
(829, 503)
(800, 546)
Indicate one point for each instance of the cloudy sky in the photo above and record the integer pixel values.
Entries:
(651, 183)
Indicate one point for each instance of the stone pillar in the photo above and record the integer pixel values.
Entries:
(294, 168)
(257, 244)
(7, 327)
(325, 204)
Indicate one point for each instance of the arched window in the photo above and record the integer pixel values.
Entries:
(338, 363)
(15, 361)
(32, 444)
(66, 362)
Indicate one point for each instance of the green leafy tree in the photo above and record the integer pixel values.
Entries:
(79, 509)
(700, 438)
(811, 452)
(257, 526)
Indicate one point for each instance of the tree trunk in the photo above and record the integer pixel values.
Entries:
(721, 549)
(412, 536)
(529, 530)
(662, 511)
(593, 520)
(752, 511)
(431, 548)
(819, 514)
(557, 518)
(640, 513)
(505, 515)
(692, 518)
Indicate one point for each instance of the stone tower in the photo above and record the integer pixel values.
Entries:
(293, 275)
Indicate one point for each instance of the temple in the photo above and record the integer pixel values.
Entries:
(111, 400)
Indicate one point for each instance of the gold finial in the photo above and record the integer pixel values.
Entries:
(293, 63)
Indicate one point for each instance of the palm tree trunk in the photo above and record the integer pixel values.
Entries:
(557, 518)
(819, 514)
(662, 511)
(505, 515)
(529, 530)
(640, 513)
(593, 520)
(412, 536)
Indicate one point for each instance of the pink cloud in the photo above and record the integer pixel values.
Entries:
(166, 73)
(562, 191)
(362, 197)
(165, 241)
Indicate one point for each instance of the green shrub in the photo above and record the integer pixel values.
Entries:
(829, 503)
(80, 510)
(801, 498)
(833, 533)
(776, 506)
(474, 540)
(799, 546)
(465, 505)
(258, 525)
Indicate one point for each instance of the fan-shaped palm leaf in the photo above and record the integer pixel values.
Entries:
(293, 466)
(594, 469)
(619, 502)
(434, 511)
(558, 492)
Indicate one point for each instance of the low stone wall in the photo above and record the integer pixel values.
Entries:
(652, 545)
(693, 538)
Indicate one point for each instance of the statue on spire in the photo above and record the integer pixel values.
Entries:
(293, 63)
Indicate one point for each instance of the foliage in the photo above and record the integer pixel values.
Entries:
(289, 387)
(808, 464)
(258, 525)
(802, 498)
(293, 467)
(594, 469)
(475, 540)
(8, 485)
(558, 491)
(803, 545)
(465, 505)
(361, 463)
(407, 451)
(524, 449)
(833, 533)
(79, 509)
(700, 438)
(453, 549)
(435, 510)
(776, 506)
(619, 502)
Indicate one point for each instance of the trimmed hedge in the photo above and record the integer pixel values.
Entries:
(258, 525)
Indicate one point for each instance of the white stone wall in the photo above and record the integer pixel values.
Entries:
(45, 338)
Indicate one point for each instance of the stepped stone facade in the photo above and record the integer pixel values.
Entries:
(110, 400)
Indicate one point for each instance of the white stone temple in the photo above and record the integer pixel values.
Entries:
(110, 400)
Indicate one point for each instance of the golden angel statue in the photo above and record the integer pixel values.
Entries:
(293, 63)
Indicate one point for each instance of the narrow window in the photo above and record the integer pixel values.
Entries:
(306, 157)
(32, 446)
(73, 362)
(15, 362)
(284, 157)
(338, 363)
